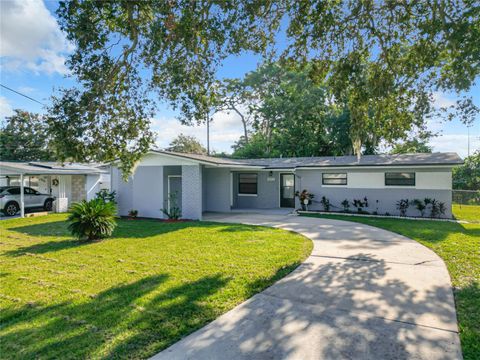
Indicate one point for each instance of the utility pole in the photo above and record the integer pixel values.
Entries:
(208, 134)
(468, 140)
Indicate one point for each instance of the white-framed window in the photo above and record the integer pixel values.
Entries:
(334, 178)
(247, 184)
(399, 179)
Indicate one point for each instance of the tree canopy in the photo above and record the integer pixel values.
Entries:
(24, 138)
(187, 144)
(467, 176)
(383, 59)
(416, 145)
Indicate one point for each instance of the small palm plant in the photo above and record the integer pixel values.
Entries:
(421, 206)
(92, 220)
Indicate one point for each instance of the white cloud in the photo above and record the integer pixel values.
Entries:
(26, 89)
(456, 143)
(31, 38)
(225, 129)
(441, 100)
(5, 108)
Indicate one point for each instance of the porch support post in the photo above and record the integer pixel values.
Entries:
(22, 197)
(192, 192)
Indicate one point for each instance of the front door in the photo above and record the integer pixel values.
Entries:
(287, 190)
(174, 192)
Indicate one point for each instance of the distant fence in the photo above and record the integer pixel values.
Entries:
(466, 197)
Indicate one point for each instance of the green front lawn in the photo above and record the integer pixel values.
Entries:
(469, 213)
(134, 294)
(459, 246)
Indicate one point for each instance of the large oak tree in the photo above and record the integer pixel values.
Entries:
(377, 56)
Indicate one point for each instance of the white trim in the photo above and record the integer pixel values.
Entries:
(280, 187)
(247, 194)
(378, 167)
(168, 188)
(231, 189)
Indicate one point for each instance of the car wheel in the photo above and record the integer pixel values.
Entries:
(11, 209)
(48, 206)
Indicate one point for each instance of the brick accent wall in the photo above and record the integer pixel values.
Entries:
(78, 188)
(192, 192)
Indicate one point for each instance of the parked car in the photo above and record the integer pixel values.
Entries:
(10, 199)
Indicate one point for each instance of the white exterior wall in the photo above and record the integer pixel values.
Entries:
(430, 182)
(124, 191)
(143, 191)
(148, 191)
(375, 179)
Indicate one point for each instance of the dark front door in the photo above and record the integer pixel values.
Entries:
(287, 190)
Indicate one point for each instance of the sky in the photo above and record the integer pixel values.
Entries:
(32, 61)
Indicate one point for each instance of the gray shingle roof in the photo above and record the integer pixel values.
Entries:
(332, 161)
(37, 168)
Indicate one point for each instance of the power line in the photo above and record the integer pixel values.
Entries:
(19, 93)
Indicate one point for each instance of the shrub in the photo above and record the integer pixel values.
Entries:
(346, 205)
(325, 203)
(437, 208)
(107, 196)
(92, 220)
(304, 195)
(174, 212)
(420, 206)
(403, 205)
(359, 204)
(133, 213)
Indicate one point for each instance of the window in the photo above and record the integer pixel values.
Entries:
(400, 179)
(247, 184)
(334, 178)
(14, 191)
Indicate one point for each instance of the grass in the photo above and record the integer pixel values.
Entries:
(134, 294)
(470, 213)
(459, 246)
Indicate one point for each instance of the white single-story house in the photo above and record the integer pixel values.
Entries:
(68, 182)
(211, 184)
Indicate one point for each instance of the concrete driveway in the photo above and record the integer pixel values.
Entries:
(364, 293)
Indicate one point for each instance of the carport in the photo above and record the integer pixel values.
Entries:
(95, 177)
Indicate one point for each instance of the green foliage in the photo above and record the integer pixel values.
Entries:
(325, 203)
(127, 53)
(360, 204)
(346, 205)
(384, 59)
(412, 146)
(92, 220)
(107, 196)
(148, 286)
(172, 210)
(467, 176)
(187, 144)
(291, 115)
(23, 138)
(402, 206)
(420, 206)
(381, 60)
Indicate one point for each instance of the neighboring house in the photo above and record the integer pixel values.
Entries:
(69, 182)
(205, 183)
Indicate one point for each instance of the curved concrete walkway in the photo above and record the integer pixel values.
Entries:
(364, 293)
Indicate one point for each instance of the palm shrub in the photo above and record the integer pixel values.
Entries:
(92, 220)
(421, 206)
